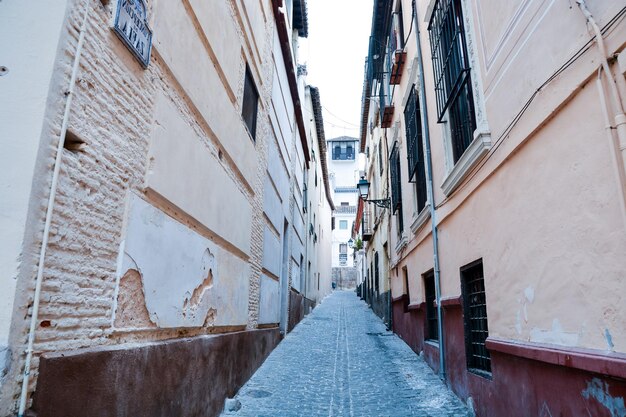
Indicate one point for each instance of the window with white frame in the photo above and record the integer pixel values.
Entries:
(343, 254)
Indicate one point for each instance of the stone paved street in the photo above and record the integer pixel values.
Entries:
(341, 361)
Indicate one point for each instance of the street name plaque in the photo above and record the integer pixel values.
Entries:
(131, 26)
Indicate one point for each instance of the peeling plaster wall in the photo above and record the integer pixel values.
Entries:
(185, 277)
(129, 117)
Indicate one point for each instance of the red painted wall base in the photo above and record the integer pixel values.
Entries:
(527, 379)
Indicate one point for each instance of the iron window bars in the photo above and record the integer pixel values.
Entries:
(376, 273)
(396, 187)
(432, 329)
(453, 87)
(475, 317)
(250, 104)
(415, 147)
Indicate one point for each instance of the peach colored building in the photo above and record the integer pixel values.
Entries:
(503, 130)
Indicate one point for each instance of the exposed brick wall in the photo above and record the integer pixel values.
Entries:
(112, 112)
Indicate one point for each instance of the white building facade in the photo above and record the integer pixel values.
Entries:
(343, 169)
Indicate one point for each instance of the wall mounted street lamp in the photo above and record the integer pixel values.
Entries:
(364, 188)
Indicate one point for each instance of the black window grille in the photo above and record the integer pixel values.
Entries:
(475, 317)
(396, 187)
(453, 86)
(376, 273)
(407, 300)
(371, 286)
(432, 327)
(250, 104)
(415, 148)
(380, 157)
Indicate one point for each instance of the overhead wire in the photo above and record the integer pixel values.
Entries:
(339, 118)
(505, 134)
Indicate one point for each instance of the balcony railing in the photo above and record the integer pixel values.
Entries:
(345, 210)
(368, 224)
(386, 106)
(398, 60)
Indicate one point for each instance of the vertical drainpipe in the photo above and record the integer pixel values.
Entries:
(431, 199)
(49, 212)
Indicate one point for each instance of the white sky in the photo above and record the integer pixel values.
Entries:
(335, 53)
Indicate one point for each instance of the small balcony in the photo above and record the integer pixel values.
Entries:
(345, 210)
(368, 224)
(397, 67)
(387, 116)
(386, 104)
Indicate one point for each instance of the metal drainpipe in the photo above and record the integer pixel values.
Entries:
(431, 199)
(49, 210)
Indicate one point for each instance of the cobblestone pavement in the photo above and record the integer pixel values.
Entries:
(341, 361)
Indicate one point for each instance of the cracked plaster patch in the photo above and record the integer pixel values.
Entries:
(179, 272)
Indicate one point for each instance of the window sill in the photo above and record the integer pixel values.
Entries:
(480, 373)
(432, 342)
(420, 219)
(416, 306)
(474, 153)
(402, 242)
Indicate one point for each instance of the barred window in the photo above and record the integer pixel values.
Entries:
(376, 273)
(396, 187)
(453, 87)
(432, 327)
(475, 317)
(415, 147)
(407, 300)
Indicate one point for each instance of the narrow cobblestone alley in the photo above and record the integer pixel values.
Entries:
(341, 361)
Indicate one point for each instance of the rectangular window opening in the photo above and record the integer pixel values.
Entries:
(396, 187)
(453, 86)
(407, 300)
(432, 325)
(415, 148)
(250, 104)
(475, 318)
(376, 274)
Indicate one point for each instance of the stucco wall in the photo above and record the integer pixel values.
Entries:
(542, 210)
(552, 236)
(134, 147)
(24, 89)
